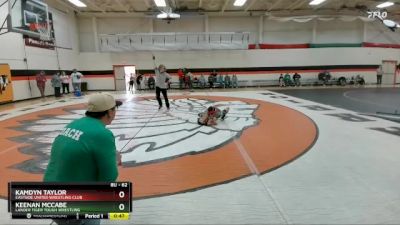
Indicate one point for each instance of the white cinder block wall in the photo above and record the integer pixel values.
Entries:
(78, 47)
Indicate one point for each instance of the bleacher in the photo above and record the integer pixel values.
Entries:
(243, 83)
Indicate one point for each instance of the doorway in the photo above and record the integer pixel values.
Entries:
(122, 74)
(389, 71)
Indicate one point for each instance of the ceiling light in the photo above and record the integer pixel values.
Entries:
(78, 3)
(168, 15)
(174, 15)
(162, 16)
(389, 23)
(385, 4)
(160, 3)
(316, 2)
(239, 2)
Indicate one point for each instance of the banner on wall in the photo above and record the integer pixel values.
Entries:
(6, 90)
(175, 41)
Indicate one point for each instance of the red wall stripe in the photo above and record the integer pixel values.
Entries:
(16, 77)
(242, 73)
(283, 46)
(380, 45)
(249, 73)
(307, 45)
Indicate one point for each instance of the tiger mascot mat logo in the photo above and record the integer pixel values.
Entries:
(168, 152)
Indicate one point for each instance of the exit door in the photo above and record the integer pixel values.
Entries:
(389, 72)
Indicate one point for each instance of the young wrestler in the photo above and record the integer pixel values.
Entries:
(210, 117)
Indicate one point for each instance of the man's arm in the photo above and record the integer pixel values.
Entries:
(106, 157)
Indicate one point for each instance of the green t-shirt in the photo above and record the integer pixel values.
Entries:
(83, 152)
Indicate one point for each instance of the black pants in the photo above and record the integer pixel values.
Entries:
(131, 85)
(379, 79)
(65, 86)
(164, 93)
(180, 83)
(57, 91)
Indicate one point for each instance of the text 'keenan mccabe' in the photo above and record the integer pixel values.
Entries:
(41, 204)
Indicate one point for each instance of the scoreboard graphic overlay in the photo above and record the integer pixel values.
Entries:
(41, 200)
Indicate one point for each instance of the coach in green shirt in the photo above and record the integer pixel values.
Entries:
(85, 150)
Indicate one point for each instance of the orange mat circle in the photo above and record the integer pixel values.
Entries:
(282, 135)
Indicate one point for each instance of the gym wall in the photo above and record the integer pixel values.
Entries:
(77, 41)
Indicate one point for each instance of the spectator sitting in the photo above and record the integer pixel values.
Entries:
(202, 81)
(195, 82)
(214, 73)
(234, 81)
(287, 80)
(281, 82)
(220, 81)
(296, 79)
(227, 80)
(211, 80)
(324, 76)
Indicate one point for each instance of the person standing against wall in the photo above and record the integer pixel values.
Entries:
(1, 84)
(56, 84)
(379, 74)
(227, 81)
(131, 81)
(162, 78)
(65, 83)
(190, 80)
(235, 81)
(41, 82)
(139, 78)
(76, 81)
(181, 77)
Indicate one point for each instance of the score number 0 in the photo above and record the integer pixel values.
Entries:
(121, 206)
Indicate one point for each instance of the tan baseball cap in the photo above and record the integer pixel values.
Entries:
(102, 102)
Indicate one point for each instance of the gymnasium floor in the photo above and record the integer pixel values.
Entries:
(283, 156)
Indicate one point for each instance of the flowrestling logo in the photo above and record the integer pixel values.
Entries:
(377, 14)
(382, 16)
(145, 135)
